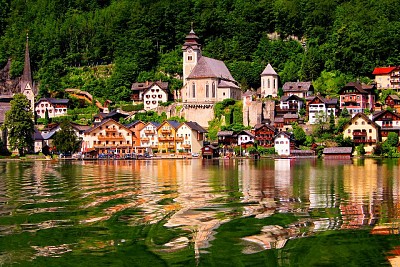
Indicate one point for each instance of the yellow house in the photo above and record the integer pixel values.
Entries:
(387, 78)
(108, 137)
(167, 136)
(362, 130)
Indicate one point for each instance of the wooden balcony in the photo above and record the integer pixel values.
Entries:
(145, 139)
(165, 131)
(171, 146)
(149, 131)
(111, 130)
(364, 141)
(186, 146)
(358, 133)
(165, 139)
(110, 137)
(179, 139)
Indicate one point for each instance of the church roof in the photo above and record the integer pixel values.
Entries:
(227, 84)
(269, 70)
(210, 68)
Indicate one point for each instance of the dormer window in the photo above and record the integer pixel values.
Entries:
(190, 58)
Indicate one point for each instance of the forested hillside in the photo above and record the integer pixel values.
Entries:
(339, 40)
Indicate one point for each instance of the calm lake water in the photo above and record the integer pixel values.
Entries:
(194, 212)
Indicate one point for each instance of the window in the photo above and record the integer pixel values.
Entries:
(213, 90)
(269, 84)
(207, 90)
(193, 90)
(370, 130)
(190, 58)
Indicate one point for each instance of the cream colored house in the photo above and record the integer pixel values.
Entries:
(205, 79)
(387, 78)
(190, 137)
(148, 136)
(108, 137)
(362, 130)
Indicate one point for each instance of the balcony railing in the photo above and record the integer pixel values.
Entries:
(146, 139)
(358, 141)
(357, 133)
(179, 139)
(164, 139)
(186, 146)
(110, 137)
(111, 130)
(149, 131)
(165, 131)
(171, 146)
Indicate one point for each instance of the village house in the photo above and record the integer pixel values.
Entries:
(320, 109)
(135, 127)
(362, 130)
(289, 104)
(388, 122)
(337, 152)
(167, 136)
(226, 138)
(393, 101)
(150, 93)
(301, 89)
(114, 114)
(245, 137)
(54, 107)
(108, 137)
(209, 151)
(269, 82)
(149, 137)
(356, 97)
(387, 78)
(264, 135)
(284, 143)
(190, 137)
(205, 79)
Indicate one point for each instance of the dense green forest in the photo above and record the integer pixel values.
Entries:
(337, 40)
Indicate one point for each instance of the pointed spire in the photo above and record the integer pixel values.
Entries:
(269, 70)
(26, 79)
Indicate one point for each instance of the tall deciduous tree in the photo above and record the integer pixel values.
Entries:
(65, 140)
(20, 125)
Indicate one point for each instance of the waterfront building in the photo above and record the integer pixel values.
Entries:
(387, 77)
(190, 137)
(301, 89)
(148, 136)
(393, 101)
(362, 130)
(54, 107)
(357, 97)
(264, 135)
(269, 82)
(337, 152)
(245, 137)
(108, 137)
(284, 142)
(166, 136)
(135, 127)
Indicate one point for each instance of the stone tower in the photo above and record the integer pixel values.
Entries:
(191, 54)
(26, 83)
(269, 82)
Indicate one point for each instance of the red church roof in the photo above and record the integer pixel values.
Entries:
(383, 70)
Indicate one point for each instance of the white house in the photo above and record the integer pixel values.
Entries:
(245, 137)
(148, 135)
(283, 142)
(55, 107)
(320, 108)
(190, 137)
(269, 82)
(150, 93)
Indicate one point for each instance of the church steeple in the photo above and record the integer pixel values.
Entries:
(191, 53)
(26, 82)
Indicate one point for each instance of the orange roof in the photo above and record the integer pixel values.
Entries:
(383, 70)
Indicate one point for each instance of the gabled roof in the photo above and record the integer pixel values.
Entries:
(174, 124)
(290, 116)
(79, 127)
(133, 123)
(332, 101)
(246, 132)
(297, 87)
(363, 116)
(37, 135)
(290, 97)
(361, 88)
(378, 115)
(225, 133)
(383, 70)
(195, 126)
(259, 126)
(269, 70)
(104, 122)
(227, 84)
(113, 113)
(285, 134)
(210, 68)
(53, 101)
(338, 150)
(149, 85)
(394, 97)
(249, 93)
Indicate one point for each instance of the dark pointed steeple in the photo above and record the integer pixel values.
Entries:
(26, 79)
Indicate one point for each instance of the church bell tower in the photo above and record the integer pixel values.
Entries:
(27, 87)
(191, 54)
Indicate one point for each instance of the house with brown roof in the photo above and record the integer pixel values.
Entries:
(55, 107)
(150, 93)
(301, 89)
(387, 77)
(166, 132)
(388, 122)
(264, 135)
(149, 136)
(356, 97)
(205, 79)
(393, 101)
(321, 108)
(337, 152)
(190, 137)
(362, 130)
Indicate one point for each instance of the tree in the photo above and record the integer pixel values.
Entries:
(299, 134)
(65, 140)
(19, 123)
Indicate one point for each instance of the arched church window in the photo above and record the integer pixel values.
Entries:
(269, 84)
(207, 90)
(193, 90)
(213, 90)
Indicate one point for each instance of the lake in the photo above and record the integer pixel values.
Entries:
(194, 212)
